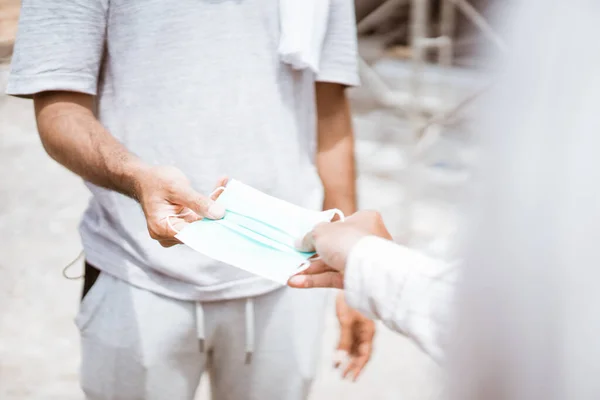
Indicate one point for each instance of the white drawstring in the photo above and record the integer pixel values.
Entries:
(249, 329)
(249, 317)
(200, 326)
(249, 306)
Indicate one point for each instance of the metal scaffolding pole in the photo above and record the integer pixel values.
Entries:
(426, 114)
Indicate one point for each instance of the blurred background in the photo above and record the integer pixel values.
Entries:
(421, 72)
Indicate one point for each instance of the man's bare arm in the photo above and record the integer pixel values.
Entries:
(335, 163)
(73, 136)
(335, 149)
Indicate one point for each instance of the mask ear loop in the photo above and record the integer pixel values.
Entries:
(69, 265)
(303, 267)
(339, 213)
(218, 190)
(168, 218)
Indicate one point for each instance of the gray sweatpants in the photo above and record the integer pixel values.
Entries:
(139, 345)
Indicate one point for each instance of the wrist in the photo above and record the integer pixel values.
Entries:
(137, 174)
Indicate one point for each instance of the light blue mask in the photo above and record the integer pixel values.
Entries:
(257, 233)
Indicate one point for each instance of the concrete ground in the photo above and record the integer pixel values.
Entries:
(40, 206)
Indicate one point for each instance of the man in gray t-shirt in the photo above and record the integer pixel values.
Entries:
(151, 103)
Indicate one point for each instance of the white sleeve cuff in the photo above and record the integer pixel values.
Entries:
(343, 77)
(28, 85)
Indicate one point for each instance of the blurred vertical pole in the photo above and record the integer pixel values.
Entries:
(419, 20)
(447, 28)
(419, 33)
(446, 46)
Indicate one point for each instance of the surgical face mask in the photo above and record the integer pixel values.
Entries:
(257, 234)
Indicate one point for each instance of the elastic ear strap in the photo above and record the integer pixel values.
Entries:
(69, 265)
(217, 190)
(303, 267)
(340, 214)
(168, 218)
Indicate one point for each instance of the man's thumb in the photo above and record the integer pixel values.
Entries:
(201, 205)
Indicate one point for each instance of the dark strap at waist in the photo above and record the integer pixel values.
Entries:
(91, 275)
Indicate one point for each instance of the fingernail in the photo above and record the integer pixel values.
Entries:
(297, 281)
(216, 211)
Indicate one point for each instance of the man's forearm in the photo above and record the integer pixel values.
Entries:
(339, 179)
(335, 156)
(73, 136)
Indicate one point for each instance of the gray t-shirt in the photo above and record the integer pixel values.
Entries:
(193, 84)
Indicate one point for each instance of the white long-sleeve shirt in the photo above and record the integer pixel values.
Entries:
(408, 291)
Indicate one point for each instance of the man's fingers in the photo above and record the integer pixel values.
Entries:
(318, 275)
(353, 368)
(190, 216)
(359, 361)
(169, 243)
(362, 346)
(341, 359)
(200, 204)
(349, 367)
(329, 279)
(221, 183)
(317, 267)
(174, 224)
(345, 343)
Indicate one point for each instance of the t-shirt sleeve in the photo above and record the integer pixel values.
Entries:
(339, 57)
(59, 46)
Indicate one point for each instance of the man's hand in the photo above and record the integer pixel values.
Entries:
(72, 135)
(165, 192)
(335, 163)
(356, 339)
(333, 242)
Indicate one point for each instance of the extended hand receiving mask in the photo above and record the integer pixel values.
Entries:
(257, 233)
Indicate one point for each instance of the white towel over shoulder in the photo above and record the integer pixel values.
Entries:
(303, 25)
